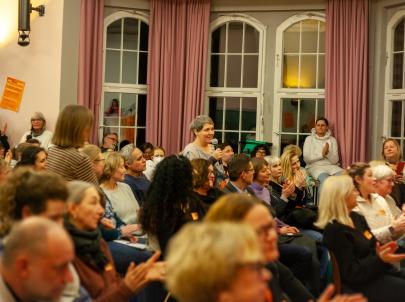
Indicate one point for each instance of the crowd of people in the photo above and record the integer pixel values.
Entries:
(119, 222)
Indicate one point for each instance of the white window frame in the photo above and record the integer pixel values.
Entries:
(280, 92)
(258, 92)
(120, 87)
(389, 93)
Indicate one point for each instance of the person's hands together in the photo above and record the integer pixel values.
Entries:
(387, 254)
(325, 150)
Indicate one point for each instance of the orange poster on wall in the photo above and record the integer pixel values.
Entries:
(12, 94)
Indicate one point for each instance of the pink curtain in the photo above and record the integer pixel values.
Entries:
(91, 59)
(347, 76)
(178, 39)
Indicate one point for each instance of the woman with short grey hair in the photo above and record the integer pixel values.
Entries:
(202, 146)
(385, 181)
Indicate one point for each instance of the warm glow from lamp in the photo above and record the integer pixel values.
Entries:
(9, 19)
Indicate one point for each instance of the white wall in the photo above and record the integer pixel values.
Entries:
(38, 64)
(50, 74)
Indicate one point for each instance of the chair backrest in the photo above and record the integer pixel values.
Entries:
(335, 274)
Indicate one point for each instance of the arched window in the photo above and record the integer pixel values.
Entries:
(394, 100)
(234, 79)
(123, 109)
(299, 78)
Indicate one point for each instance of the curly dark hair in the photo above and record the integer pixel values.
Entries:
(169, 194)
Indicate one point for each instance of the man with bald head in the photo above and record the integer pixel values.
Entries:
(35, 261)
(136, 164)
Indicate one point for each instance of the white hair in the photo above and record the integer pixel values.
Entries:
(382, 171)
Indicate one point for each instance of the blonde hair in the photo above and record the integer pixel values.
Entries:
(332, 204)
(285, 160)
(92, 151)
(112, 162)
(71, 123)
(198, 270)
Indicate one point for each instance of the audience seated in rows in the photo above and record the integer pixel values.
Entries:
(244, 208)
(93, 260)
(112, 226)
(30, 193)
(364, 264)
(384, 226)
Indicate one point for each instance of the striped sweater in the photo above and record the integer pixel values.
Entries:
(71, 164)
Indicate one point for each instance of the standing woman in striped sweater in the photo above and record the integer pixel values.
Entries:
(73, 128)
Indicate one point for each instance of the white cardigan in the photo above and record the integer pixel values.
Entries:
(316, 163)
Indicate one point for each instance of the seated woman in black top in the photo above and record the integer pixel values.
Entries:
(365, 265)
(204, 181)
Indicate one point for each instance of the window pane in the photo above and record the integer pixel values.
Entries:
(250, 71)
(399, 36)
(397, 70)
(321, 108)
(233, 139)
(396, 118)
(287, 139)
(235, 32)
(127, 134)
(107, 130)
(216, 109)
(291, 39)
(128, 109)
(232, 109)
(289, 115)
(321, 71)
(218, 136)
(144, 36)
(309, 36)
(217, 71)
(143, 68)
(301, 141)
(114, 35)
(112, 66)
(290, 71)
(251, 39)
(218, 39)
(130, 33)
(307, 115)
(141, 110)
(234, 71)
(140, 137)
(249, 108)
(308, 71)
(129, 67)
(111, 108)
(322, 37)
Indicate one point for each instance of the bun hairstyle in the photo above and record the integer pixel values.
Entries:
(357, 169)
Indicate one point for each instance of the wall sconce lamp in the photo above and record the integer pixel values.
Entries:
(25, 9)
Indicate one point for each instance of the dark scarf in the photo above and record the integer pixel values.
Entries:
(87, 246)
